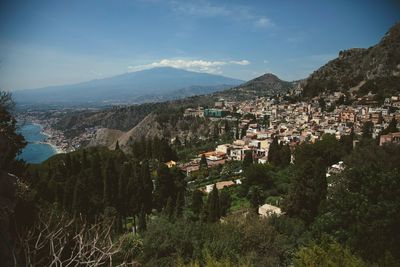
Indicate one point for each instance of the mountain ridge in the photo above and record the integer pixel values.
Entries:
(157, 83)
(357, 65)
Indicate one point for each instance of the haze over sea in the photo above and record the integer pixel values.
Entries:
(36, 150)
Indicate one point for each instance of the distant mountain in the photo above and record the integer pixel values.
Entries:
(377, 67)
(157, 84)
(265, 85)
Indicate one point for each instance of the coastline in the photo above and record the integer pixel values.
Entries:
(57, 149)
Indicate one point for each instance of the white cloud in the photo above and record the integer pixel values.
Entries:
(241, 62)
(200, 8)
(264, 22)
(192, 65)
(204, 8)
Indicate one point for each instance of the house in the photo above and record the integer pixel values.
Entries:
(390, 138)
(224, 148)
(219, 185)
(267, 210)
(191, 112)
(170, 163)
(348, 116)
(215, 113)
(263, 160)
(376, 117)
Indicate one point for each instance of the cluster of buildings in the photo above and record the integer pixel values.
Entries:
(56, 137)
(260, 120)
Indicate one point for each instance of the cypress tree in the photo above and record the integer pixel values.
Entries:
(142, 220)
(110, 182)
(169, 208)
(213, 205)
(255, 199)
(180, 202)
(215, 133)
(248, 159)
(224, 202)
(203, 162)
(273, 152)
(133, 192)
(147, 184)
(367, 129)
(392, 127)
(85, 162)
(164, 186)
(197, 202)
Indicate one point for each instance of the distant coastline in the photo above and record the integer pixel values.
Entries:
(39, 148)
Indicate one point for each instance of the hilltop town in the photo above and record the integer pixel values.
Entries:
(261, 120)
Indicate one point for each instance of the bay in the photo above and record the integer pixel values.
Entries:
(36, 150)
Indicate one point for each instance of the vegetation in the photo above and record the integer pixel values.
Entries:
(140, 211)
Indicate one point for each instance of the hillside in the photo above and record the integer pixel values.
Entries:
(356, 66)
(156, 84)
(265, 85)
(127, 117)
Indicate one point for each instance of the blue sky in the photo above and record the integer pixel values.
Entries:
(51, 42)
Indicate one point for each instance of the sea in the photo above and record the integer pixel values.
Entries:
(36, 150)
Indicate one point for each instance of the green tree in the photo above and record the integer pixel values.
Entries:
(215, 132)
(248, 159)
(147, 186)
(367, 129)
(328, 253)
(255, 199)
(364, 202)
(164, 186)
(322, 104)
(273, 152)
(213, 207)
(117, 146)
(203, 162)
(392, 127)
(224, 202)
(307, 191)
(197, 202)
(110, 183)
(11, 143)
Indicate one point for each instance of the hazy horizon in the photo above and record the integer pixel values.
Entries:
(67, 42)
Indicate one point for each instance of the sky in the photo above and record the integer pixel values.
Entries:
(48, 42)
